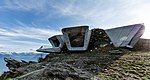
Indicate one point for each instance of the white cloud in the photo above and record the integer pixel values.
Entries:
(87, 9)
(24, 37)
(25, 5)
(104, 14)
(98, 13)
(28, 31)
(107, 14)
(2, 46)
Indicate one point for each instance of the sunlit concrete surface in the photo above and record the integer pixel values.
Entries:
(126, 36)
(49, 50)
(77, 38)
(57, 42)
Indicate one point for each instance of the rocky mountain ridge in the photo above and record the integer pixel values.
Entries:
(98, 63)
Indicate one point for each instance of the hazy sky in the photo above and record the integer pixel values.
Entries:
(25, 25)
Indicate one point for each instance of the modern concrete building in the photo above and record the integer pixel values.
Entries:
(125, 36)
(57, 43)
(77, 38)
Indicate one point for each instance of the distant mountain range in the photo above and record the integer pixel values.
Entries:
(26, 56)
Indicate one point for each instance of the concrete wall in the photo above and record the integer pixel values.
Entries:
(125, 36)
(77, 38)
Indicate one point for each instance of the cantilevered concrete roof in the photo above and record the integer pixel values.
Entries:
(125, 36)
(57, 43)
(77, 38)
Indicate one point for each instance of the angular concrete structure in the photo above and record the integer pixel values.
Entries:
(57, 42)
(77, 38)
(125, 36)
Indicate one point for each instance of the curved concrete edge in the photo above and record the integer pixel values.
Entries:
(125, 36)
(50, 50)
(60, 38)
(137, 36)
(86, 39)
(54, 47)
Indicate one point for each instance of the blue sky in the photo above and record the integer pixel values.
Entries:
(25, 25)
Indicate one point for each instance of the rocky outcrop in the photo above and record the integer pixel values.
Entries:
(13, 64)
(57, 71)
(59, 67)
(142, 45)
(99, 40)
(67, 65)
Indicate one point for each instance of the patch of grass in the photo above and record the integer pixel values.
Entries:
(9, 79)
(134, 65)
(132, 71)
(104, 77)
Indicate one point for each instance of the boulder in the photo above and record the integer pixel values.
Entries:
(13, 64)
(57, 71)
